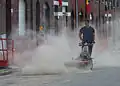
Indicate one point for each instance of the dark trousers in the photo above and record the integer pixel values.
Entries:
(89, 49)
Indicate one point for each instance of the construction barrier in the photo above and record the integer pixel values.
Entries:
(6, 51)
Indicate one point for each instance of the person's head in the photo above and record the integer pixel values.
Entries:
(87, 23)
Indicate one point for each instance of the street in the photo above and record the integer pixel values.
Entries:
(107, 76)
(105, 72)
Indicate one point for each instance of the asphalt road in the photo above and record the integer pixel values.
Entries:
(105, 76)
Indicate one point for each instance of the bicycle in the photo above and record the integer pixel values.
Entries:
(85, 60)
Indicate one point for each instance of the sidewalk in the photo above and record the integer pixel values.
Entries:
(5, 71)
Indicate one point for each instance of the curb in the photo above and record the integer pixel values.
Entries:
(5, 72)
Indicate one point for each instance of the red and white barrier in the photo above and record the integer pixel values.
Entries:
(6, 51)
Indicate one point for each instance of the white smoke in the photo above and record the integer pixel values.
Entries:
(50, 56)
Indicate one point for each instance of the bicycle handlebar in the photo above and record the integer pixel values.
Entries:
(86, 44)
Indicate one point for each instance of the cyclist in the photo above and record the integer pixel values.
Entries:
(87, 35)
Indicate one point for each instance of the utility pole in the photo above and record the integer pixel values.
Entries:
(85, 11)
(114, 24)
(37, 20)
(76, 13)
(99, 11)
(31, 18)
(8, 18)
(8, 22)
(56, 19)
(26, 14)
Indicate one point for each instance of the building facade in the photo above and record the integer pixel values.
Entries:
(30, 14)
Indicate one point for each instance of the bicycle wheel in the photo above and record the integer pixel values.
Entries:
(89, 66)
